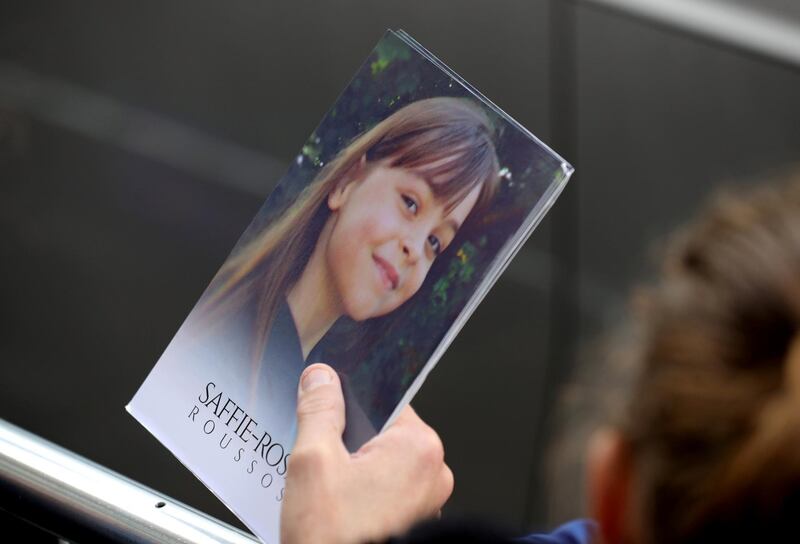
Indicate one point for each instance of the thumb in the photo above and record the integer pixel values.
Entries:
(320, 408)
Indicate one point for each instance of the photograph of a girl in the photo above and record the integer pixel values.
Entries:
(369, 248)
(357, 243)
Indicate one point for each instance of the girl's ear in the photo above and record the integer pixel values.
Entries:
(341, 192)
(610, 474)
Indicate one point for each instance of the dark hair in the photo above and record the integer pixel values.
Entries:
(714, 420)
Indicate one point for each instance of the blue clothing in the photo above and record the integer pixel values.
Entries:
(579, 531)
(582, 531)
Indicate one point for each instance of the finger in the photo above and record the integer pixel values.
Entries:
(438, 492)
(407, 416)
(445, 487)
(406, 421)
(320, 409)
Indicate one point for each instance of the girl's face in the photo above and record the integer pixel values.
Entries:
(384, 233)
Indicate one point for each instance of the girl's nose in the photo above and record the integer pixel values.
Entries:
(412, 249)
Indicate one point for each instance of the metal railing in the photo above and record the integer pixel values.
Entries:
(76, 499)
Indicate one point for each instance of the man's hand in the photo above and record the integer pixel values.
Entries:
(397, 478)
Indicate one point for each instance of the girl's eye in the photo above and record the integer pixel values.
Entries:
(436, 245)
(411, 204)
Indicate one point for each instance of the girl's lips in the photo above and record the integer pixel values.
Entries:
(387, 272)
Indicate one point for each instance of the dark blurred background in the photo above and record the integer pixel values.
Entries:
(138, 139)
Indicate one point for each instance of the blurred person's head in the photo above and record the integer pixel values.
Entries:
(709, 447)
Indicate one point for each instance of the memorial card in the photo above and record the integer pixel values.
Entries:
(395, 218)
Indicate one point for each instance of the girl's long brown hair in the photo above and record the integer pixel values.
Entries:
(444, 139)
(714, 422)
